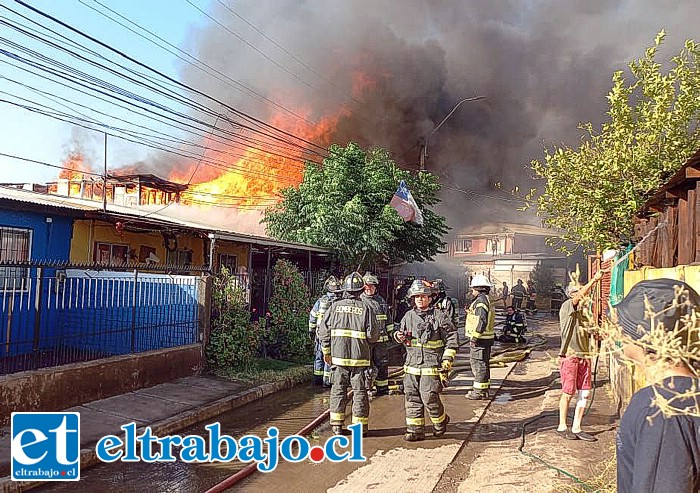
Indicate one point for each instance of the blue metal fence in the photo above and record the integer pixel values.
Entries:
(52, 316)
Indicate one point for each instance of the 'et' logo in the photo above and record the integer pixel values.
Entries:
(45, 446)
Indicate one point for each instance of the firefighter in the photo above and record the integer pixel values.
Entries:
(531, 308)
(514, 327)
(346, 332)
(518, 292)
(380, 350)
(479, 329)
(448, 305)
(431, 346)
(322, 371)
(400, 298)
(557, 298)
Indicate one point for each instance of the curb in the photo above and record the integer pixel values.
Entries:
(168, 426)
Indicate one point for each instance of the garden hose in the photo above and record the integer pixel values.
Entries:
(521, 449)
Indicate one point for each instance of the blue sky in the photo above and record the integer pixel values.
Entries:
(41, 138)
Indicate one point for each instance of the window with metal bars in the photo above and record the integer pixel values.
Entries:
(15, 246)
(463, 245)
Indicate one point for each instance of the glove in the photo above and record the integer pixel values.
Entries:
(446, 365)
(327, 359)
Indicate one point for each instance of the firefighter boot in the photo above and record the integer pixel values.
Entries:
(440, 429)
(337, 430)
(383, 390)
(414, 436)
(477, 395)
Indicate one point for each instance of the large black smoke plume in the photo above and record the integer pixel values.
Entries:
(391, 70)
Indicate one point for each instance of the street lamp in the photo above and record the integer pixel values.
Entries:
(424, 147)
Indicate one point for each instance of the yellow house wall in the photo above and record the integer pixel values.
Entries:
(232, 248)
(87, 232)
(624, 378)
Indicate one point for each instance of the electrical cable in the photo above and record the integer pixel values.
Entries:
(252, 46)
(11, 156)
(165, 76)
(222, 77)
(162, 147)
(247, 149)
(94, 81)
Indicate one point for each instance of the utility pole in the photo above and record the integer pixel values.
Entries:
(424, 145)
(423, 154)
(104, 180)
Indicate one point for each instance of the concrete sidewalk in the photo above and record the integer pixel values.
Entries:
(491, 461)
(166, 408)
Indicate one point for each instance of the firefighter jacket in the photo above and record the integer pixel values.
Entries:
(346, 331)
(532, 292)
(449, 307)
(480, 319)
(514, 324)
(431, 338)
(518, 291)
(381, 309)
(320, 307)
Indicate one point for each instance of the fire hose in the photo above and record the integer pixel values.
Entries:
(502, 356)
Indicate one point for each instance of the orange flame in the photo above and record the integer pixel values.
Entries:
(257, 173)
(74, 167)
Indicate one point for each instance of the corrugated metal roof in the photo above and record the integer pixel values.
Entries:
(29, 197)
(83, 205)
(683, 178)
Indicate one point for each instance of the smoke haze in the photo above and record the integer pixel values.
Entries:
(385, 73)
(391, 70)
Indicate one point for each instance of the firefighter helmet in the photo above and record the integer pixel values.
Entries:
(439, 285)
(371, 279)
(419, 287)
(353, 283)
(332, 285)
(480, 281)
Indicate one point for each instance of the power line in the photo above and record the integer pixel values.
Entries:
(42, 163)
(165, 76)
(111, 87)
(281, 47)
(100, 176)
(222, 77)
(64, 76)
(163, 147)
(252, 46)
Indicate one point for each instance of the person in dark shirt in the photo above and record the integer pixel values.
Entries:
(658, 442)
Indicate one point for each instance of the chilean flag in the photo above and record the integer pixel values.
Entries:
(405, 205)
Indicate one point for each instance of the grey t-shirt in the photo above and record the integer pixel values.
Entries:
(575, 341)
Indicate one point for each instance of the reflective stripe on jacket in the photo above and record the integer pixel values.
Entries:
(381, 310)
(320, 307)
(433, 339)
(480, 318)
(346, 331)
(514, 323)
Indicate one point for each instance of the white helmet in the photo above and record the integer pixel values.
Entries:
(480, 281)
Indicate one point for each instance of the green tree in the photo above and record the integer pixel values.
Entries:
(288, 324)
(543, 277)
(592, 192)
(344, 205)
